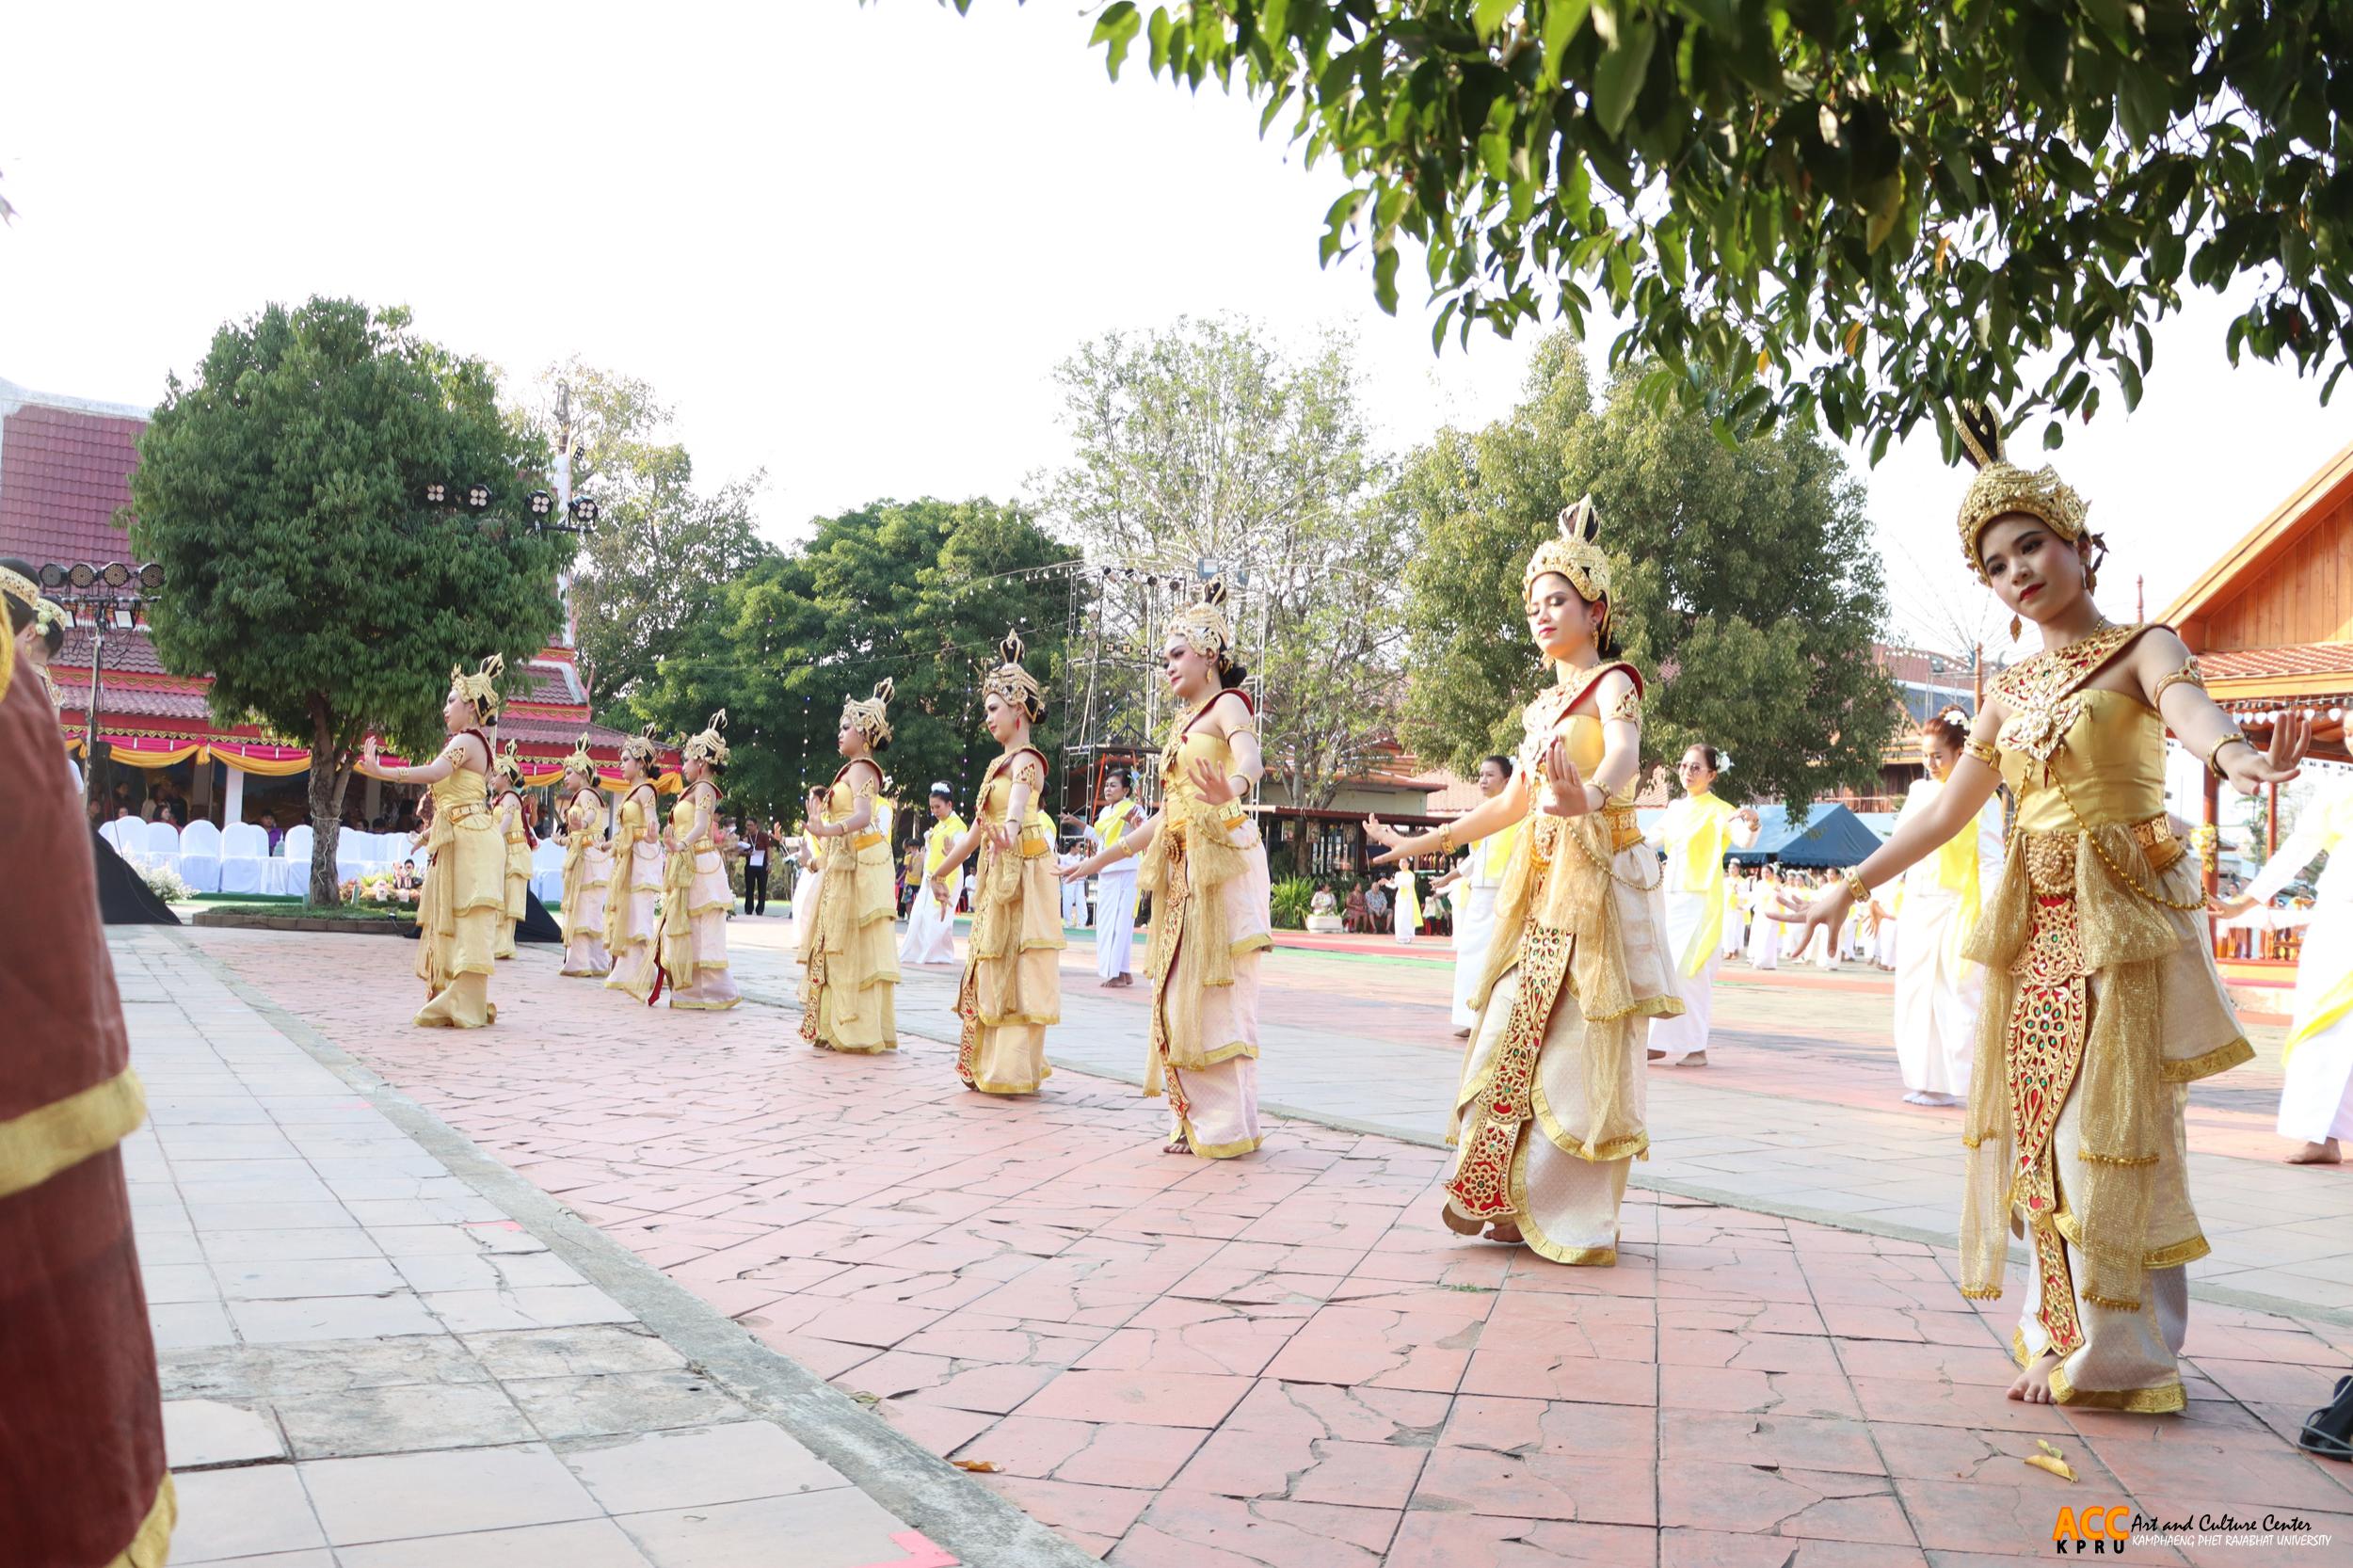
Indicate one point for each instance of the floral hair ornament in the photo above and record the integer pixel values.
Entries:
(642, 748)
(49, 612)
(872, 718)
(709, 747)
(2002, 487)
(1203, 626)
(482, 687)
(1009, 681)
(1572, 553)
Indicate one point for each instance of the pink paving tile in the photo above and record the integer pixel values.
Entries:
(1995, 1517)
(1538, 1485)
(1998, 1458)
(1918, 1399)
(1531, 1369)
(1233, 1344)
(1691, 1548)
(1200, 1529)
(1150, 1398)
(1104, 1510)
(1515, 1426)
(1235, 1463)
(881, 1324)
(1317, 1410)
(1768, 1441)
(1742, 1500)
(1110, 1454)
(938, 1428)
(1982, 1365)
(1914, 1324)
(1723, 1388)
(828, 1358)
(2177, 1477)
(1433, 1539)
(2273, 1382)
(1737, 1315)
(1750, 1353)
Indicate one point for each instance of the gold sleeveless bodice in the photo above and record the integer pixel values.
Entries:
(2107, 755)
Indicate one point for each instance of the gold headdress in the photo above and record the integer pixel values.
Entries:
(20, 588)
(1203, 627)
(2002, 487)
(1573, 553)
(1012, 682)
(642, 747)
(709, 746)
(872, 716)
(482, 687)
(510, 764)
(580, 762)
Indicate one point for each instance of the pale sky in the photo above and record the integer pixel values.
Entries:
(848, 243)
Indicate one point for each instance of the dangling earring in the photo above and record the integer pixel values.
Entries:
(2016, 626)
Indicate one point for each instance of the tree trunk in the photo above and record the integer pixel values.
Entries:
(328, 779)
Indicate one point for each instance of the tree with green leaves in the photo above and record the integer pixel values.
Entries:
(1745, 583)
(662, 549)
(1862, 207)
(283, 493)
(916, 591)
(1208, 442)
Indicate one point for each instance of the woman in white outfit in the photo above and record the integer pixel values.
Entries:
(2316, 1100)
(931, 936)
(1405, 911)
(1481, 874)
(1696, 832)
(1115, 884)
(1938, 993)
(1765, 933)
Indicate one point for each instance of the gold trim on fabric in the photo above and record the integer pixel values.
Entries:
(2164, 1400)
(150, 1546)
(2018, 1350)
(2188, 1251)
(1523, 1218)
(988, 1086)
(2221, 1058)
(58, 1136)
(704, 1006)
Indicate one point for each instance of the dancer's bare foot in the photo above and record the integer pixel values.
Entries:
(2324, 1153)
(1462, 1034)
(1656, 1056)
(2033, 1384)
(1697, 1059)
(1177, 1145)
(1505, 1232)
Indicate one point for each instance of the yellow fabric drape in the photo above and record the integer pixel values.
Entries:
(944, 832)
(266, 767)
(1112, 824)
(60, 1135)
(1704, 820)
(153, 758)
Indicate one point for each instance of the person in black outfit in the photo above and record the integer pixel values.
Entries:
(760, 848)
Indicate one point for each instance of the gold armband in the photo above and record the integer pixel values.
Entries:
(1446, 840)
(2214, 752)
(1855, 884)
(2188, 673)
(1982, 752)
(1627, 709)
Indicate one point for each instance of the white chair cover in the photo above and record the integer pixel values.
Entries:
(112, 833)
(245, 860)
(290, 875)
(162, 843)
(200, 856)
(547, 871)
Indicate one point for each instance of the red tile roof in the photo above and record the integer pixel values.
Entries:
(129, 652)
(2248, 663)
(62, 474)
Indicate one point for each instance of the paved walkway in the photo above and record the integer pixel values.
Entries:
(1287, 1359)
(382, 1350)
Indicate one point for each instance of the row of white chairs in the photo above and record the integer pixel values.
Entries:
(237, 861)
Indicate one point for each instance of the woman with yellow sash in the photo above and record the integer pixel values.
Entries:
(516, 830)
(1011, 986)
(587, 868)
(931, 936)
(850, 975)
(1696, 832)
(1205, 865)
(633, 907)
(2101, 1000)
(1549, 1114)
(1938, 992)
(465, 889)
(696, 895)
(2316, 1101)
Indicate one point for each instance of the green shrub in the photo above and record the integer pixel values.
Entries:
(1292, 897)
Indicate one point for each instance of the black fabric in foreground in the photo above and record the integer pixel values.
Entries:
(123, 896)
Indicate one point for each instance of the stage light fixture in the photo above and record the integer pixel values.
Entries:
(541, 504)
(435, 493)
(478, 497)
(151, 576)
(81, 574)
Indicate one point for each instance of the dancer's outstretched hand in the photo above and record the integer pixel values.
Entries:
(1828, 909)
(1566, 795)
(2249, 768)
(1382, 833)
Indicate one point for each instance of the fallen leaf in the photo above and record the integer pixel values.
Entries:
(2056, 1466)
(978, 1466)
(865, 1398)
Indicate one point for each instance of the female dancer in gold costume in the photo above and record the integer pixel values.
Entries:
(1012, 986)
(1550, 1112)
(849, 980)
(2102, 1004)
(465, 892)
(1205, 865)
(587, 868)
(696, 897)
(508, 808)
(633, 905)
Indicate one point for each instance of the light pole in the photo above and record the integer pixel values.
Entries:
(115, 594)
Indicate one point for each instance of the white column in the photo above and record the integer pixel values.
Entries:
(232, 800)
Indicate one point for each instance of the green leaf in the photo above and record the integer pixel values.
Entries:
(1562, 18)
(1487, 16)
(1618, 76)
(1116, 28)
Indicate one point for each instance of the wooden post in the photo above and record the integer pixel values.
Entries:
(2212, 792)
(2271, 820)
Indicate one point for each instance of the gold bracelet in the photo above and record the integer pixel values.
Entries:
(1855, 884)
(1446, 840)
(2214, 751)
(1982, 752)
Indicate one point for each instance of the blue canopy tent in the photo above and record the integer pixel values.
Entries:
(1827, 835)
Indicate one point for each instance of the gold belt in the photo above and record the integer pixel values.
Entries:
(1624, 831)
(866, 840)
(2051, 856)
(464, 812)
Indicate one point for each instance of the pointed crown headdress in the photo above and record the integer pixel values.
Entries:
(643, 748)
(2002, 487)
(510, 764)
(709, 747)
(580, 762)
(1010, 681)
(872, 718)
(1571, 552)
(482, 687)
(1203, 626)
